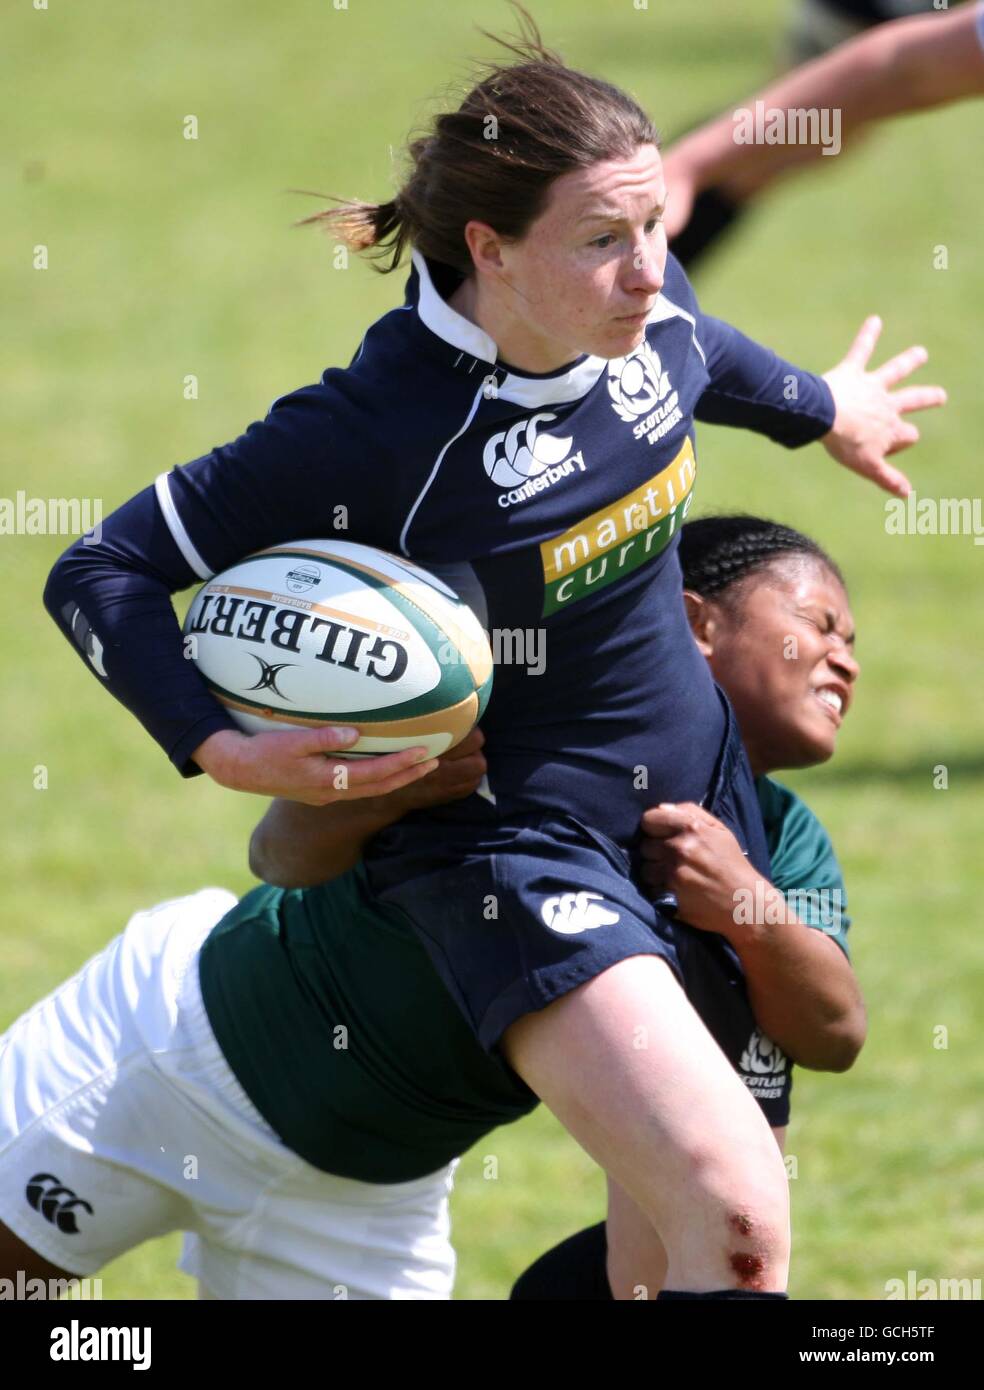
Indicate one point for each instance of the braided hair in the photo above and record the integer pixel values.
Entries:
(718, 551)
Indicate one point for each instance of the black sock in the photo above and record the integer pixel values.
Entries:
(574, 1269)
(720, 1293)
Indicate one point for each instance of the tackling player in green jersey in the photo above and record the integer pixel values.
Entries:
(303, 1047)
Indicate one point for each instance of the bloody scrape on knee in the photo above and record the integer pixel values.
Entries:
(747, 1269)
(746, 1266)
(741, 1223)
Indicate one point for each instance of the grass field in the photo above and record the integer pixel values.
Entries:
(170, 257)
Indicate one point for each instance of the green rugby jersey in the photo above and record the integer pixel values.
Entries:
(329, 1012)
(804, 866)
(340, 1031)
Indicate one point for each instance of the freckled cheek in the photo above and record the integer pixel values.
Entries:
(557, 299)
(586, 294)
(578, 298)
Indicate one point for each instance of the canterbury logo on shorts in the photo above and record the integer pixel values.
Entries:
(56, 1203)
(576, 912)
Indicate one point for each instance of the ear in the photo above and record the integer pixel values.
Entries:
(702, 616)
(485, 246)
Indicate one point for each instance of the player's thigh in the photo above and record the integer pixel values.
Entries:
(630, 1070)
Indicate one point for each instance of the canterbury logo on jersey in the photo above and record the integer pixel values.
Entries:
(612, 542)
(526, 461)
(571, 913)
(56, 1203)
(638, 387)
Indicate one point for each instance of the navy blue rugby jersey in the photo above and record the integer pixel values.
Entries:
(556, 498)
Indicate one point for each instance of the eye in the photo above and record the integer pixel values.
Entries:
(603, 242)
(815, 622)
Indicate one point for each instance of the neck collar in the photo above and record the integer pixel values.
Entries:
(476, 349)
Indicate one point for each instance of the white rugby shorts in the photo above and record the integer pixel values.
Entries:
(120, 1120)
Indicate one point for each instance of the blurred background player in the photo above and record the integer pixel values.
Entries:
(905, 65)
(816, 26)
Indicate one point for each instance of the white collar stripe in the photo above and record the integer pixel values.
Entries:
(443, 321)
(529, 392)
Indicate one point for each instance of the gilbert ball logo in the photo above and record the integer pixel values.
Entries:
(571, 913)
(514, 455)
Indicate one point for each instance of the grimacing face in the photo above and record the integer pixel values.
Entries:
(781, 644)
(585, 276)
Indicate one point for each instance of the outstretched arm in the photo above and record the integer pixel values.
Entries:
(854, 411)
(907, 65)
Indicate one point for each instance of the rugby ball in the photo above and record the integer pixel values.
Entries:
(329, 632)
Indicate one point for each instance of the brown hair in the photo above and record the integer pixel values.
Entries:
(494, 158)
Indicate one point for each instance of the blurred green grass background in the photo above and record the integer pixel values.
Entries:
(170, 257)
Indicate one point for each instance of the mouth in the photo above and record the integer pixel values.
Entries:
(833, 698)
(634, 318)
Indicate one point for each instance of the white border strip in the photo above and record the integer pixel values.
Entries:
(434, 471)
(665, 309)
(529, 392)
(176, 527)
(444, 322)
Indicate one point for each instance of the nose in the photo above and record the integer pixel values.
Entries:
(647, 266)
(845, 663)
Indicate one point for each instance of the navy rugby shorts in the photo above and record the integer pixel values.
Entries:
(515, 913)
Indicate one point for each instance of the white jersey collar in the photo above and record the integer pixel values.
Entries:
(474, 343)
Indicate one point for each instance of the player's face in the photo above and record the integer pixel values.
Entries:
(782, 647)
(587, 273)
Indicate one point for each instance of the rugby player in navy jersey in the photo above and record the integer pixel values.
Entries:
(325, 1168)
(543, 320)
